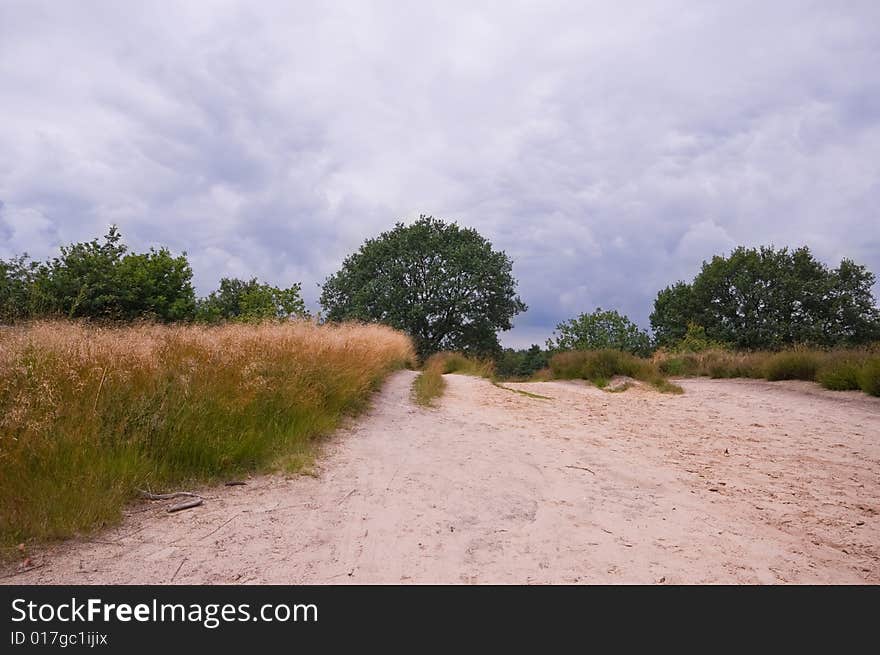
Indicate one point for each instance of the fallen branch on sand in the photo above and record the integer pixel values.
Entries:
(225, 523)
(176, 494)
(186, 505)
(179, 566)
(23, 570)
(582, 468)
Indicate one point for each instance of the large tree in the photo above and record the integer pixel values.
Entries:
(441, 283)
(768, 298)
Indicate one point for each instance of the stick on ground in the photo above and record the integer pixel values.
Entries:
(176, 494)
(186, 505)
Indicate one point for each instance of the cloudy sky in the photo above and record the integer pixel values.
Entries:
(607, 147)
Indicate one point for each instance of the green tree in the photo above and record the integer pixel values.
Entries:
(251, 300)
(673, 311)
(521, 363)
(534, 360)
(99, 280)
(441, 283)
(155, 284)
(850, 314)
(599, 330)
(768, 298)
(20, 284)
(82, 281)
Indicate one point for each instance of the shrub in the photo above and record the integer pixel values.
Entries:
(838, 370)
(794, 365)
(450, 362)
(594, 365)
(869, 377)
(679, 366)
(599, 366)
(840, 375)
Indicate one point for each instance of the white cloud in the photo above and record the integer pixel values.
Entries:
(608, 149)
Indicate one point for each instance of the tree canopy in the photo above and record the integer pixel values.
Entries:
(598, 330)
(441, 283)
(768, 298)
(250, 300)
(97, 279)
(521, 363)
(101, 279)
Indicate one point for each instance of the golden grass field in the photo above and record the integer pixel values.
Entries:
(88, 414)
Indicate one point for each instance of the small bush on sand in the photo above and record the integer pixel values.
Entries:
(542, 375)
(716, 363)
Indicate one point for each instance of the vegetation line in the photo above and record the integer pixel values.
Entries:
(848, 369)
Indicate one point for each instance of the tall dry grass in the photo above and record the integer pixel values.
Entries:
(838, 370)
(88, 415)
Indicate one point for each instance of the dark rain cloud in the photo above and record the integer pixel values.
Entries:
(607, 149)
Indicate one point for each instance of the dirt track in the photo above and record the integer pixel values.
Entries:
(733, 482)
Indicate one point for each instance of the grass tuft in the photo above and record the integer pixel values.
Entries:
(428, 386)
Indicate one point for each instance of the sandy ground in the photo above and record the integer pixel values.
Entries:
(732, 482)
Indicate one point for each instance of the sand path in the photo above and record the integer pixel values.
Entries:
(732, 482)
